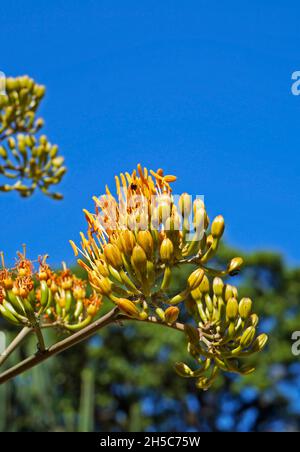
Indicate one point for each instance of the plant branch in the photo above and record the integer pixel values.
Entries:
(15, 343)
(111, 317)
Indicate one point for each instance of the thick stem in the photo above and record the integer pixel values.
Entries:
(14, 344)
(110, 317)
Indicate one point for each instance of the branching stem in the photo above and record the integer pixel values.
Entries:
(111, 317)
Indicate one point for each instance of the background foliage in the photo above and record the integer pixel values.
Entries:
(123, 379)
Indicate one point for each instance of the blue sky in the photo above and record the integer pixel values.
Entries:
(200, 88)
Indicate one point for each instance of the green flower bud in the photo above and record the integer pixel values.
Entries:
(254, 319)
(195, 278)
(113, 256)
(166, 250)
(183, 370)
(259, 343)
(232, 309)
(128, 307)
(247, 337)
(139, 259)
(218, 286)
(245, 307)
(217, 227)
(171, 314)
(144, 238)
(234, 266)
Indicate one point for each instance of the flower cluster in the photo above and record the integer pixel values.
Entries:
(27, 161)
(44, 297)
(134, 243)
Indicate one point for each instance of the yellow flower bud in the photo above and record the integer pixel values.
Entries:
(183, 370)
(127, 241)
(218, 286)
(247, 337)
(199, 221)
(166, 250)
(139, 259)
(145, 239)
(232, 309)
(113, 256)
(171, 314)
(164, 207)
(204, 285)
(234, 266)
(195, 278)
(230, 292)
(185, 205)
(259, 343)
(254, 319)
(127, 307)
(217, 227)
(245, 306)
(92, 310)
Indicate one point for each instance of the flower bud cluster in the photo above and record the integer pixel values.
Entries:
(26, 162)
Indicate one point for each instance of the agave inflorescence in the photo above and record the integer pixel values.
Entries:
(134, 242)
(29, 162)
(38, 298)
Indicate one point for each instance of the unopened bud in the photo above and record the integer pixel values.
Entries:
(195, 278)
(254, 319)
(234, 266)
(113, 256)
(139, 259)
(171, 314)
(259, 343)
(232, 309)
(185, 205)
(245, 306)
(183, 370)
(247, 337)
(145, 239)
(166, 250)
(128, 307)
(217, 227)
(127, 241)
(218, 286)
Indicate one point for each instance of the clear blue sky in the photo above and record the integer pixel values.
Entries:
(201, 88)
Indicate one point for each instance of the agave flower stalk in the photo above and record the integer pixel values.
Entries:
(27, 161)
(134, 242)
